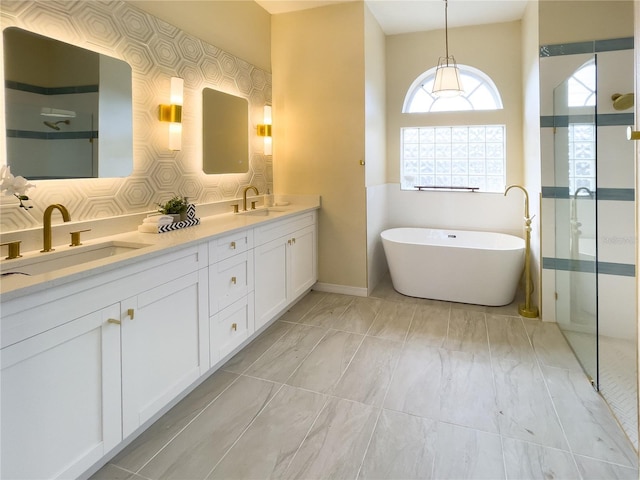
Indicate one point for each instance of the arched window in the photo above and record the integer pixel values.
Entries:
(480, 93)
(582, 86)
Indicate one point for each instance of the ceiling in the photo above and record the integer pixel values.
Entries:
(405, 16)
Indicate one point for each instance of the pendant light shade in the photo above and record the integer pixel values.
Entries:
(447, 82)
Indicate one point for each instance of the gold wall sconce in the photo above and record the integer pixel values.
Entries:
(172, 113)
(264, 130)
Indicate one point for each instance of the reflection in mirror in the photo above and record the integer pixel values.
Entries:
(225, 133)
(68, 110)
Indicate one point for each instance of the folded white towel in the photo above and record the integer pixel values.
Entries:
(158, 220)
(148, 228)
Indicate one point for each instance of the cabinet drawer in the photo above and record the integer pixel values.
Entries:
(230, 245)
(283, 227)
(230, 327)
(230, 280)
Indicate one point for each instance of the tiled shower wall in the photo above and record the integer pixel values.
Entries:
(156, 51)
(615, 183)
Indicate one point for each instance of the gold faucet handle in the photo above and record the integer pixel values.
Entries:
(75, 237)
(253, 205)
(235, 207)
(14, 249)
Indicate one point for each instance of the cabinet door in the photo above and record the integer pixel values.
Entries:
(302, 262)
(270, 278)
(164, 346)
(61, 398)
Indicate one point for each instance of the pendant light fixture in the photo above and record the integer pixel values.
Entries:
(447, 82)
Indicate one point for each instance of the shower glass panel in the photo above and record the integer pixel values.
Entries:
(576, 214)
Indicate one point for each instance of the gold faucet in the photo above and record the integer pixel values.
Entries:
(244, 196)
(46, 220)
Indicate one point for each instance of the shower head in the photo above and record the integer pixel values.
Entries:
(622, 102)
(54, 125)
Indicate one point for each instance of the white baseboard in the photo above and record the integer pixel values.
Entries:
(343, 289)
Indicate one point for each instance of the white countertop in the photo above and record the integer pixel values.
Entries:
(15, 286)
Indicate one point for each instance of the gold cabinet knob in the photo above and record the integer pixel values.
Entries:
(234, 327)
(114, 321)
(233, 280)
(232, 245)
(130, 312)
(632, 134)
(293, 240)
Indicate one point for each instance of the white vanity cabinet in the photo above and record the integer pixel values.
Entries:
(231, 283)
(61, 401)
(285, 264)
(85, 363)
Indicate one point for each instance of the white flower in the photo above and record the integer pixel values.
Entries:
(16, 186)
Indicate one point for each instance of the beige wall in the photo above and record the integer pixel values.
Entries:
(319, 128)
(375, 94)
(240, 27)
(577, 21)
(375, 147)
(495, 49)
(531, 134)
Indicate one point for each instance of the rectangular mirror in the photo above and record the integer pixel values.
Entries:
(225, 133)
(68, 110)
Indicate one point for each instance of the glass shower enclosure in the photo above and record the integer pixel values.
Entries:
(575, 149)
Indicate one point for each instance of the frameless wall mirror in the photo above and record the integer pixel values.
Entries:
(225, 133)
(68, 110)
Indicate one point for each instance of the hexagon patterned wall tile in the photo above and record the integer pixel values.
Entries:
(156, 51)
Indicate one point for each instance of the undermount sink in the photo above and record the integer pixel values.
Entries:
(36, 263)
(263, 212)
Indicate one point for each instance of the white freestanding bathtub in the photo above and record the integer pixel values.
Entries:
(482, 268)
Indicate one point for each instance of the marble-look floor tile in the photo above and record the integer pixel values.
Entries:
(287, 353)
(336, 444)
(197, 449)
(508, 339)
(324, 366)
(467, 396)
(466, 453)
(429, 325)
(249, 354)
(327, 312)
(592, 469)
(467, 332)
(590, 428)
(296, 312)
(417, 382)
(446, 385)
(359, 315)
(113, 472)
(528, 461)
(523, 400)
(550, 346)
(402, 448)
(267, 447)
(162, 431)
(368, 376)
(393, 321)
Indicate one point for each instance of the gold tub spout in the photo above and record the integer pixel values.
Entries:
(46, 220)
(526, 310)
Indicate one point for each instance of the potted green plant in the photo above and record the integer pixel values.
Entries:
(177, 207)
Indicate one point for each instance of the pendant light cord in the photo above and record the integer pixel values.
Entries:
(446, 30)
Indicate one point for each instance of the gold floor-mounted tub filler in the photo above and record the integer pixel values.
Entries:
(526, 310)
